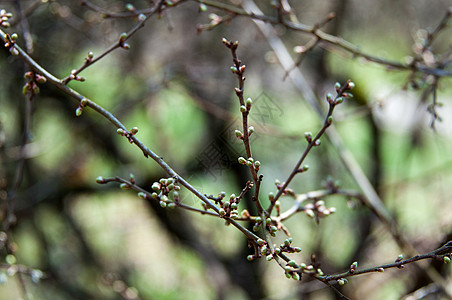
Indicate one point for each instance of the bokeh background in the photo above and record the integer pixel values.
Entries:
(100, 242)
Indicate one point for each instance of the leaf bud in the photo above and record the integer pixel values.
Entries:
(120, 131)
(134, 130)
(90, 55)
(446, 259)
(242, 108)
(142, 195)
(337, 86)
(100, 179)
(250, 257)
(250, 130)
(264, 250)
(269, 257)
(260, 242)
(83, 102)
(162, 204)
(238, 133)
(234, 206)
(308, 136)
(14, 36)
(232, 197)
(233, 69)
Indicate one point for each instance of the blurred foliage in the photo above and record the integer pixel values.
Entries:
(100, 242)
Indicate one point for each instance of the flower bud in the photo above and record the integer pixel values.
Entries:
(238, 133)
(124, 186)
(162, 204)
(134, 130)
(242, 108)
(78, 111)
(100, 179)
(83, 102)
(120, 131)
(123, 36)
(248, 103)
(90, 55)
(142, 195)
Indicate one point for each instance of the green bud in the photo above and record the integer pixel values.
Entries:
(288, 275)
(354, 265)
(83, 102)
(120, 131)
(340, 281)
(339, 100)
(100, 179)
(222, 212)
(222, 194)
(256, 228)
(264, 250)
(242, 160)
(258, 219)
(250, 257)
(78, 111)
(130, 7)
(269, 257)
(248, 102)
(141, 17)
(162, 204)
(292, 263)
(329, 120)
(257, 164)
(226, 204)
(295, 276)
(14, 36)
(124, 186)
(277, 250)
(202, 7)
(155, 186)
(134, 130)
(154, 195)
(90, 55)
(273, 229)
(286, 242)
(446, 259)
(234, 206)
(123, 36)
(233, 69)
(242, 108)
(142, 195)
(271, 196)
(232, 197)
(351, 85)
(171, 205)
(260, 242)
(337, 86)
(126, 46)
(268, 220)
(302, 266)
(10, 259)
(238, 133)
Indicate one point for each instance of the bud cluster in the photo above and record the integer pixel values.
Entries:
(10, 40)
(31, 87)
(229, 207)
(166, 191)
(318, 209)
(129, 134)
(4, 17)
(122, 41)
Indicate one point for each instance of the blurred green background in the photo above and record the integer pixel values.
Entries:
(99, 242)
